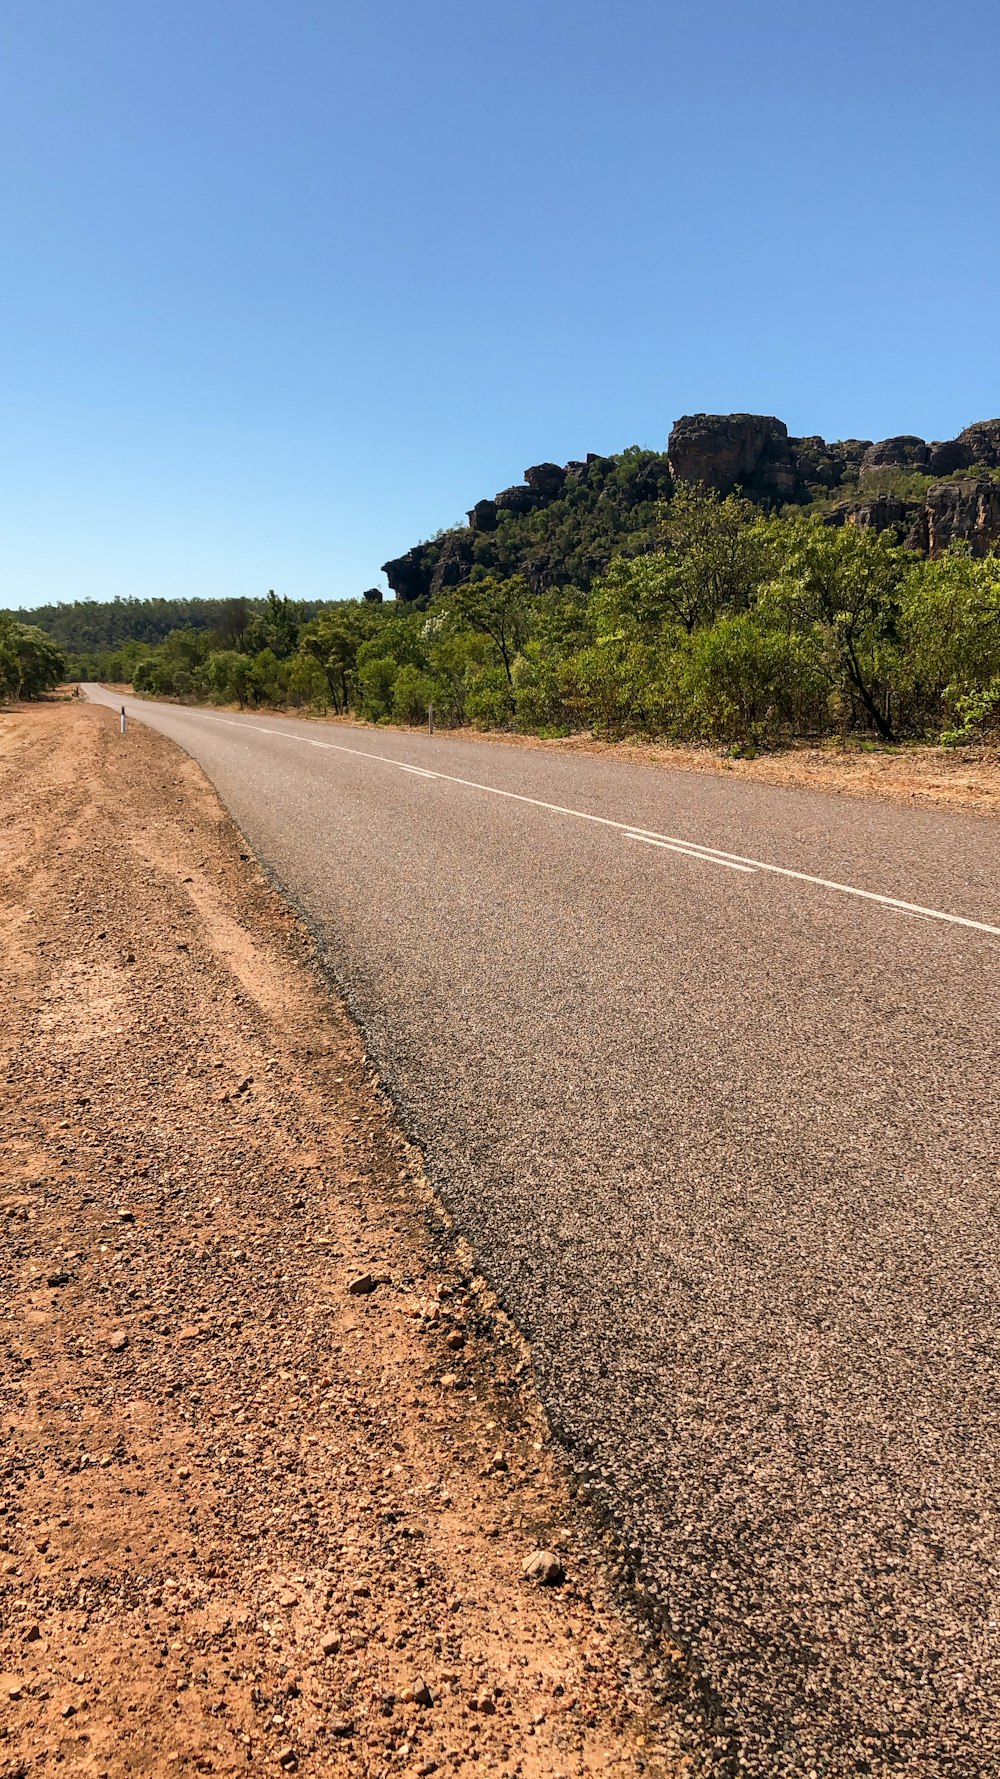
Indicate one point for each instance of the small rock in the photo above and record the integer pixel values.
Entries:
(287, 1759)
(363, 1285)
(69, 1710)
(126, 1216)
(118, 1341)
(420, 1692)
(11, 1687)
(330, 1644)
(499, 1462)
(486, 1703)
(544, 1567)
(57, 1278)
(455, 1340)
(189, 1332)
(339, 1726)
(32, 1634)
(287, 1599)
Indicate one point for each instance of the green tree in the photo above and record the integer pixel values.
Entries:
(274, 627)
(30, 662)
(332, 641)
(498, 610)
(719, 553)
(949, 632)
(744, 680)
(845, 584)
(229, 676)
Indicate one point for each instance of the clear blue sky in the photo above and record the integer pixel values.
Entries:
(287, 286)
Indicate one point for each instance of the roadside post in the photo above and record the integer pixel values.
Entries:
(123, 719)
(430, 717)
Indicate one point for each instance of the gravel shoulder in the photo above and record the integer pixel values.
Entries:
(272, 1465)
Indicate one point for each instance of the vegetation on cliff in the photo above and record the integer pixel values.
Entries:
(564, 524)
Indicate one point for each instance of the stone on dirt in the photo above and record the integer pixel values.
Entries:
(363, 1285)
(545, 1568)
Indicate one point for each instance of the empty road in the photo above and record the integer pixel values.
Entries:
(708, 1073)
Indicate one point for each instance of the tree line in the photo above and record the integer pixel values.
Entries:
(730, 626)
(90, 627)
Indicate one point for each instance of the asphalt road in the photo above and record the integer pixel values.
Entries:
(723, 1131)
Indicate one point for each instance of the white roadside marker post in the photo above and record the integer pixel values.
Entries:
(123, 719)
(430, 718)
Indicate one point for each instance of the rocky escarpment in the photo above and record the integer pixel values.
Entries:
(929, 494)
(594, 499)
(755, 453)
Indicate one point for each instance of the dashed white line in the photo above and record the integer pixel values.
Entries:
(691, 852)
(672, 842)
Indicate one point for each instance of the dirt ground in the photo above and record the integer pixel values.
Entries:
(271, 1465)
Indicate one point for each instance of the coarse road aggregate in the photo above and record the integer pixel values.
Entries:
(725, 1142)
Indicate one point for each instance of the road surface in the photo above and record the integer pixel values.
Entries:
(708, 1074)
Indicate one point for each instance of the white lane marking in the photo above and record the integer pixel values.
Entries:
(691, 852)
(606, 821)
(418, 771)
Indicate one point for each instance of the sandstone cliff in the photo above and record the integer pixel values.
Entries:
(897, 484)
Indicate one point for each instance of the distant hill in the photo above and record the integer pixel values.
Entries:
(90, 626)
(564, 522)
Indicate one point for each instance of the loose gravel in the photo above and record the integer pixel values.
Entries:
(275, 1493)
(726, 1146)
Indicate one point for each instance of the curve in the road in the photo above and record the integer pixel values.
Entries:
(730, 1159)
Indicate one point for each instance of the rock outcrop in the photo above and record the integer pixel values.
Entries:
(754, 452)
(945, 456)
(546, 479)
(410, 576)
(724, 451)
(895, 484)
(904, 452)
(966, 511)
(983, 443)
(519, 499)
(483, 516)
(453, 563)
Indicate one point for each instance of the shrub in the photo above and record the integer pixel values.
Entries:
(740, 680)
